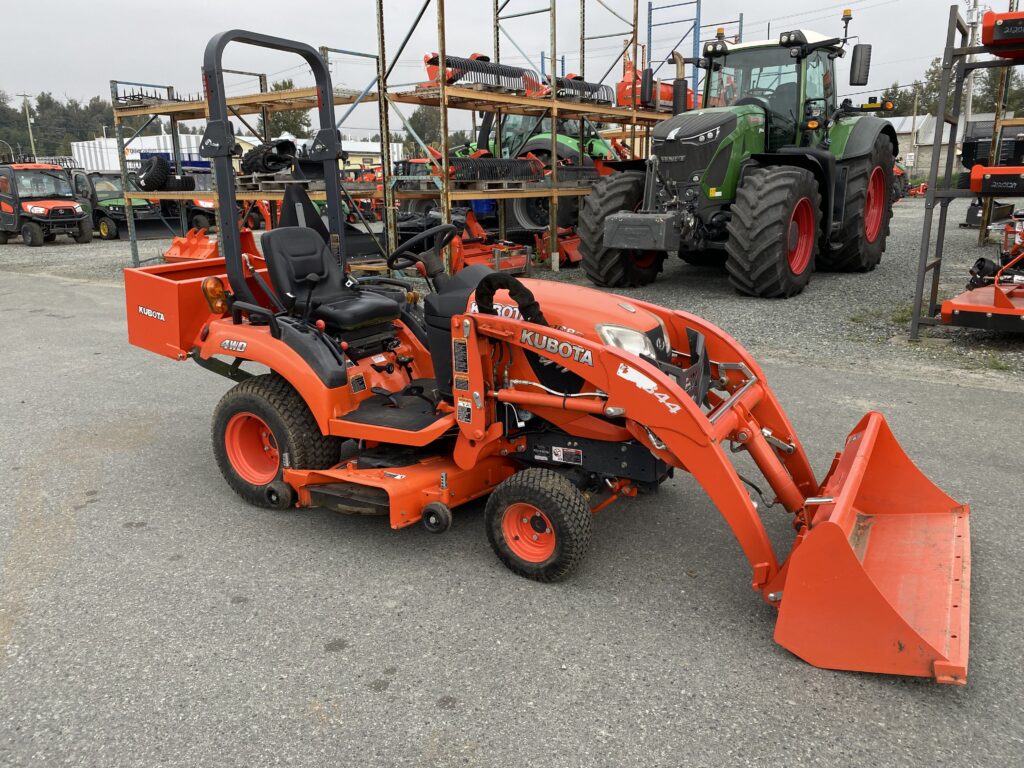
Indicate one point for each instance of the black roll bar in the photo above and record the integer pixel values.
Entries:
(218, 144)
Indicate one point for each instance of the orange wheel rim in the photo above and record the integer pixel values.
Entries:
(874, 206)
(528, 533)
(252, 448)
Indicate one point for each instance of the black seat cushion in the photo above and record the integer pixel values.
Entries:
(295, 253)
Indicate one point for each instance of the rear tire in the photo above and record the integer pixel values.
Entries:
(107, 228)
(84, 233)
(774, 232)
(31, 234)
(867, 213)
(557, 530)
(259, 426)
(614, 267)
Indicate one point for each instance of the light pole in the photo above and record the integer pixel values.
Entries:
(28, 120)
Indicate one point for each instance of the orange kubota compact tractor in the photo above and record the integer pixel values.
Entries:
(551, 400)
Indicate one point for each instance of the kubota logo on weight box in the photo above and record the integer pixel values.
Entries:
(151, 313)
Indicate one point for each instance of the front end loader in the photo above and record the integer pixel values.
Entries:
(771, 179)
(552, 401)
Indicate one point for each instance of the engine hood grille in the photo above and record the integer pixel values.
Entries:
(686, 144)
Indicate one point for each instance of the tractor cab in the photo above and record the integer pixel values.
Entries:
(794, 91)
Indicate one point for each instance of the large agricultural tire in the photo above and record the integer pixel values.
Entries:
(774, 232)
(534, 213)
(84, 232)
(867, 215)
(256, 425)
(539, 524)
(153, 174)
(31, 234)
(271, 157)
(614, 267)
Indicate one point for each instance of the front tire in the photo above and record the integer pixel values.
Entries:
(614, 267)
(107, 228)
(867, 214)
(539, 524)
(32, 234)
(260, 426)
(84, 233)
(774, 232)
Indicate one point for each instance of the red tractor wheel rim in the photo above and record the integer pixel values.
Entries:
(801, 236)
(874, 206)
(644, 259)
(528, 533)
(252, 449)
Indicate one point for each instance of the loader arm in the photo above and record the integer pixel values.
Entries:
(878, 577)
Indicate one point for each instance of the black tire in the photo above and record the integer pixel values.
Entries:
(421, 207)
(709, 257)
(153, 174)
(562, 513)
(84, 232)
(199, 221)
(269, 158)
(31, 234)
(770, 202)
(107, 228)
(963, 180)
(254, 221)
(534, 213)
(180, 183)
(293, 429)
(856, 253)
(614, 267)
(4, 237)
(49, 238)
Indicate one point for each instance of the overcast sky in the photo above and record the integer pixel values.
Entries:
(162, 42)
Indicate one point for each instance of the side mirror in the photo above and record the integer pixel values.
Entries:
(860, 64)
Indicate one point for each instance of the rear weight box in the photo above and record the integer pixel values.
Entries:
(642, 231)
(1000, 29)
(630, 460)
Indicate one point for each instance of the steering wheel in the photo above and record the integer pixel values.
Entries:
(404, 256)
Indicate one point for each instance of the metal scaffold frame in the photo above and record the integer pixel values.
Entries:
(958, 60)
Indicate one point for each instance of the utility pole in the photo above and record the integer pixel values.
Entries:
(913, 131)
(973, 20)
(28, 120)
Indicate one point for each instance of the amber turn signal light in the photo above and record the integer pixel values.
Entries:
(216, 296)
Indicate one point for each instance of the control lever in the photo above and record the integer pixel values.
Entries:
(313, 279)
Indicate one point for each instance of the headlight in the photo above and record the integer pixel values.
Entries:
(205, 203)
(627, 339)
(38, 210)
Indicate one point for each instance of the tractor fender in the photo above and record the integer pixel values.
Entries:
(855, 137)
(818, 161)
(296, 357)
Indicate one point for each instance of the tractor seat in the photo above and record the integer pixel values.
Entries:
(302, 266)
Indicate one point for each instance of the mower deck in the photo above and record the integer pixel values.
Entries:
(991, 307)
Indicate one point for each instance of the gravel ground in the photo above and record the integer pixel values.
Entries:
(149, 617)
(847, 320)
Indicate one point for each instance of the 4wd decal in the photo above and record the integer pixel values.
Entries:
(648, 385)
(151, 313)
(556, 347)
(233, 346)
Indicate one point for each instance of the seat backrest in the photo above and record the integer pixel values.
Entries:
(297, 210)
(293, 253)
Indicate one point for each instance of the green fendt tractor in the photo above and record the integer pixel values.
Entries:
(771, 178)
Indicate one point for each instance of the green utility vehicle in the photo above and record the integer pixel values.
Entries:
(772, 178)
(101, 194)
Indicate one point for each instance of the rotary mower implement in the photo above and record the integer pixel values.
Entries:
(553, 401)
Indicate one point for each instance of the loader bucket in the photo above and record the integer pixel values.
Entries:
(880, 581)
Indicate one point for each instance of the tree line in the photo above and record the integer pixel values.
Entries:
(986, 90)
